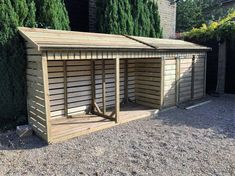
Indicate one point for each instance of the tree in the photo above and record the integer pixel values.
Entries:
(155, 30)
(52, 14)
(188, 15)
(12, 59)
(192, 13)
(13, 105)
(146, 18)
(114, 17)
(132, 17)
(125, 19)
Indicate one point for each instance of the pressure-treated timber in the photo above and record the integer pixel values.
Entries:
(147, 87)
(64, 129)
(46, 94)
(65, 89)
(117, 90)
(162, 82)
(103, 87)
(193, 77)
(69, 72)
(93, 91)
(125, 100)
(185, 86)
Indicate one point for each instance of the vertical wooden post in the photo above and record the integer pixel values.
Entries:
(126, 81)
(177, 80)
(162, 82)
(92, 85)
(103, 87)
(65, 89)
(117, 89)
(192, 77)
(46, 95)
(205, 69)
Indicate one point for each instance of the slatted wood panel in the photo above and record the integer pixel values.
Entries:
(131, 79)
(35, 92)
(169, 75)
(79, 85)
(185, 83)
(148, 82)
(199, 76)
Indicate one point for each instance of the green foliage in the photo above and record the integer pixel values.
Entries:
(12, 60)
(13, 106)
(114, 17)
(125, 19)
(155, 30)
(224, 28)
(132, 17)
(193, 13)
(188, 15)
(52, 14)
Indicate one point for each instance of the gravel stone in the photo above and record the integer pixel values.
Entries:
(179, 142)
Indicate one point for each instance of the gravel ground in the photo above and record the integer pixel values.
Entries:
(180, 142)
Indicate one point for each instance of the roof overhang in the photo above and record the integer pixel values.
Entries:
(54, 40)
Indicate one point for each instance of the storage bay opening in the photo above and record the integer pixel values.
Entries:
(83, 82)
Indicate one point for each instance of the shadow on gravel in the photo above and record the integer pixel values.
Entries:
(219, 115)
(10, 141)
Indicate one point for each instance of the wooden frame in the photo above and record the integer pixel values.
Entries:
(64, 78)
(193, 77)
(46, 95)
(117, 90)
(65, 89)
(177, 98)
(162, 81)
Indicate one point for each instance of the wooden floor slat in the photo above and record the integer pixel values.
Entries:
(67, 128)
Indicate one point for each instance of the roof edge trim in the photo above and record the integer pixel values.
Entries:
(27, 38)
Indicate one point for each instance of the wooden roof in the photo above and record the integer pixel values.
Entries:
(169, 44)
(47, 39)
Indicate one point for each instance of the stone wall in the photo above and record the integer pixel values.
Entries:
(167, 11)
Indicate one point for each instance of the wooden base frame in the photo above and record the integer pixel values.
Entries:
(64, 128)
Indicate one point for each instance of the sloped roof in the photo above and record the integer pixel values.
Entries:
(169, 44)
(46, 39)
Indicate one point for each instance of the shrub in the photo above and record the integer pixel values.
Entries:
(224, 28)
(132, 17)
(13, 105)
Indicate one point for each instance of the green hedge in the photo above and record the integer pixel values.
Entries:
(224, 28)
(13, 105)
(132, 17)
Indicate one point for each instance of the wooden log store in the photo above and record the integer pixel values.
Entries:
(79, 83)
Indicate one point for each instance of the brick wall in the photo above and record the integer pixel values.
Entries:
(167, 12)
